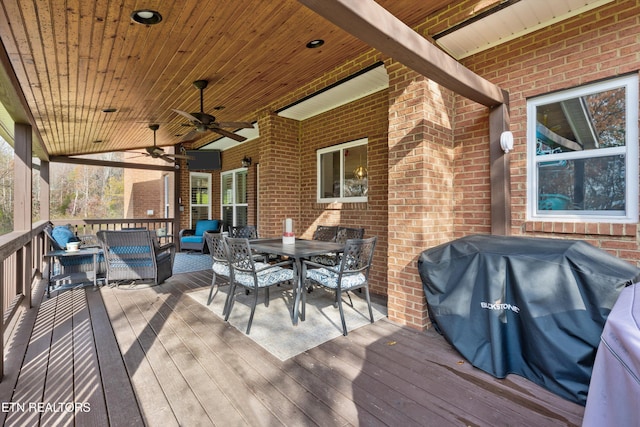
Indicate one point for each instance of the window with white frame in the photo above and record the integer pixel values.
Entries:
(582, 153)
(200, 186)
(342, 172)
(235, 206)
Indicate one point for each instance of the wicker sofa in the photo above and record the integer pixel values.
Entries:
(135, 255)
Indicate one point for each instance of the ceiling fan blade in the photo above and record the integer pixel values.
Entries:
(236, 125)
(190, 136)
(138, 155)
(187, 115)
(228, 134)
(166, 158)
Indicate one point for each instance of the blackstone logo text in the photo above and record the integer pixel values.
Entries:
(499, 306)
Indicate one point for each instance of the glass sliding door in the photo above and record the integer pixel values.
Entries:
(234, 197)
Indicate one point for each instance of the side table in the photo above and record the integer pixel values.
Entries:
(82, 252)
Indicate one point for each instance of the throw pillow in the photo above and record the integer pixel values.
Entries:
(63, 235)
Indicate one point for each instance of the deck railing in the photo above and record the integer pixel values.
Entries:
(22, 259)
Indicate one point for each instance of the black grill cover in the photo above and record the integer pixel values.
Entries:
(526, 306)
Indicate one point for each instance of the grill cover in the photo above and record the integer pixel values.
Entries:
(526, 306)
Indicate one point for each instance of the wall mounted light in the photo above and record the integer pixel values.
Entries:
(506, 141)
(246, 162)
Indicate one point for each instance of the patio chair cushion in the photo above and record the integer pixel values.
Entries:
(221, 268)
(330, 278)
(192, 239)
(63, 235)
(205, 225)
(265, 277)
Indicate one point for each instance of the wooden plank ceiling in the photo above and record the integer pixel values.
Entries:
(74, 58)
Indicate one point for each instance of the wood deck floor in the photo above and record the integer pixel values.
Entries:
(155, 357)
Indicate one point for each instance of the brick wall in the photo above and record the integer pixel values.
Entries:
(365, 118)
(144, 190)
(429, 176)
(596, 45)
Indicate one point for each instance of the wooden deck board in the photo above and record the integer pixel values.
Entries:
(30, 382)
(266, 381)
(88, 394)
(154, 406)
(154, 356)
(121, 403)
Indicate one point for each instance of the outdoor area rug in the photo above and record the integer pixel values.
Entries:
(185, 262)
(272, 327)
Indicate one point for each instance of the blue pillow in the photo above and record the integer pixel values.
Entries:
(63, 235)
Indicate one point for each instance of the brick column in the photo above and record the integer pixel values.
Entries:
(279, 182)
(420, 186)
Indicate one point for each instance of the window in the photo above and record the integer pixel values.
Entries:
(200, 197)
(583, 153)
(234, 197)
(342, 173)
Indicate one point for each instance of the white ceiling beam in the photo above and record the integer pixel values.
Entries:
(381, 30)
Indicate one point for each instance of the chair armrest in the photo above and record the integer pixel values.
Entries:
(158, 248)
(187, 232)
(89, 241)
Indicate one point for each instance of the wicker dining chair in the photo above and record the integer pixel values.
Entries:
(243, 232)
(345, 233)
(340, 235)
(352, 273)
(220, 267)
(252, 275)
(326, 233)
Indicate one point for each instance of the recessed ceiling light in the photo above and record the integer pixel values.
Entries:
(109, 110)
(146, 17)
(315, 43)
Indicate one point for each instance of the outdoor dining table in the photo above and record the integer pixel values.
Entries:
(298, 251)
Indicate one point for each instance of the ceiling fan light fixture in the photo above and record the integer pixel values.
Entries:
(315, 43)
(146, 17)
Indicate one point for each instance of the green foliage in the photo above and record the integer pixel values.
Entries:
(77, 191)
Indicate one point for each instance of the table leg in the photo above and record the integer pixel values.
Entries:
(298, 293)
(50, 261)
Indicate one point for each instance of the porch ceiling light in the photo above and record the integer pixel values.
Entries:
(146, 17)
(315, 43)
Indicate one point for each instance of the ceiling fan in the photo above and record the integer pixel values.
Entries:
(203, 122)
(158, 153)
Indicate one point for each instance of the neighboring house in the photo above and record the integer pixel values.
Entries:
(572, 173)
